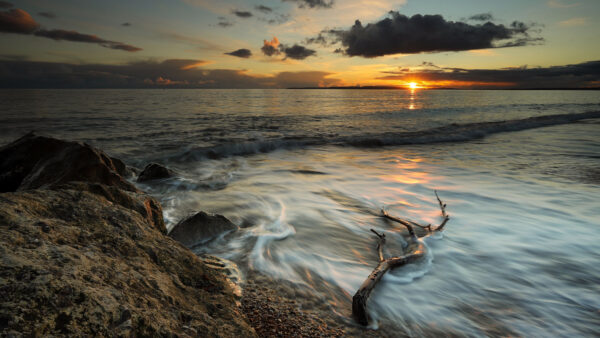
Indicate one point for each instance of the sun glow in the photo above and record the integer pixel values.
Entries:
(413, 85)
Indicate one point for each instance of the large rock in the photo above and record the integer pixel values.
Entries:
(154, 171)
(201, 228)
(74, 263)
(86, 254)
(35, 161)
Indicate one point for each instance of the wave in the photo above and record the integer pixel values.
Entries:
(450, 133)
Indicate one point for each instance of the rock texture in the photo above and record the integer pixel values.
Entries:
(201, 228)
(35, 161)
(154, 171)
(85, 253)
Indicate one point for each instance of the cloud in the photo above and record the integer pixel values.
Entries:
(297, 52)
(482, 17)
(60, 34)
(399, 34)
(20, 22)
(582, 75)
(241, 53)
(561, 4)
(179, 73)
(161, 81)
(17, 21)
(323, 39)
(573, 22)
(4, 4)
(223, 22)
(264, 9)
(276, 19)
(241, 14)
(270, 48)
(48, 15)
(313, 3)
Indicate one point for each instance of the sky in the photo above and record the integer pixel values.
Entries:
(299, 43)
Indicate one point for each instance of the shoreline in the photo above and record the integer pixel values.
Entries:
(85, 252)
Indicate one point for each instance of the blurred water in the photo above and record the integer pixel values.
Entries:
(519, 256)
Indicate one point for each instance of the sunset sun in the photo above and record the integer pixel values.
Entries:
(413, 85)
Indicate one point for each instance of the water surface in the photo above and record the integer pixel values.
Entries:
(519, 256)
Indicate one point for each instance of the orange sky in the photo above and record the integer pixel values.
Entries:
(235, 43)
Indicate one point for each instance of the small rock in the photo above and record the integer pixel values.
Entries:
(200, 228)
(154, 171)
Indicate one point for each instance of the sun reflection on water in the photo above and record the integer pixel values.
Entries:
(413, 90)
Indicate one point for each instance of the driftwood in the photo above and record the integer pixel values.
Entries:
(413, 251)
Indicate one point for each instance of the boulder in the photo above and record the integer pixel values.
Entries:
(75, 263)
(35, 161)
(201, 228)
(154, 171)
(87, 254)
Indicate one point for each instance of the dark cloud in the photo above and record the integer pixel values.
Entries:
(223, 22)
(241, 14)
(17, 21)
(270, 48)
(147, 74)
(126, 24)
(297, 52)
(48, 15)
(322, 39)
(20, 22)
(582, 75)
(425, 33)
(241, 53)
(482, 17)
(313, 3)
(60, 34)
(4, 4)
(264, 9)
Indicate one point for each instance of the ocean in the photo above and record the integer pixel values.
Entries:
(304, 173)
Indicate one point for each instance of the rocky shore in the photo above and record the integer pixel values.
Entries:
(83, 252)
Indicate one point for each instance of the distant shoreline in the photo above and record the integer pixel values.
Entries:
(293, 88)
(440, 88)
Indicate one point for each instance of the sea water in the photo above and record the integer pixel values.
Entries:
(305, 173)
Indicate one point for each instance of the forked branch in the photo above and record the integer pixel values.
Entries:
(444, 214)
(410, 224)
(413, 251)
